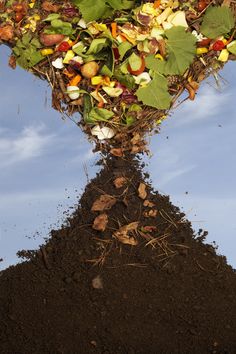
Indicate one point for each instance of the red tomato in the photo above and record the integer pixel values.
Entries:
(218, 45)
(63, 47)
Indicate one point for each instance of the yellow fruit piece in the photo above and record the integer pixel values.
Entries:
(224, 55)
(31, 5)
(159, 56)
(36, 17)
(97, 80)
(47, 51)
(202, 50)
(69, 55)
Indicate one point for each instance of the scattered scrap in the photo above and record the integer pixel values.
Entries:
(126, 234)
(100, 222)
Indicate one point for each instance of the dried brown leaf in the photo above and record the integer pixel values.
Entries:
(125, 234)
(104, 202)
(100, 222)
(149, 228)
(12, 61)
(142, 193)
(150, 214)
(136, 139)
(120, 182)
(148, 204)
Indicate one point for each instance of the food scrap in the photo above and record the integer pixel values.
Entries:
(120, 65)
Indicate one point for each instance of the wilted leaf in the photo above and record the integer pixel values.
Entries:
(120, 182)
(104, 202)
(142, 193)
(100, 222)
(125, 234)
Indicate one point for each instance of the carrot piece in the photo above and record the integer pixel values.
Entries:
(101, 104)
(75, 81)
(114, 29)
(157, 4)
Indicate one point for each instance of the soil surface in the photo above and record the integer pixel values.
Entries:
(149, 287)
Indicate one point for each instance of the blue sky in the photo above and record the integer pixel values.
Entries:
(43, 159)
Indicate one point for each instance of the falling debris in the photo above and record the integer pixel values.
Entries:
(119, 182)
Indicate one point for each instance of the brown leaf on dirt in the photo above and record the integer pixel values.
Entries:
(126, 232)
(50, 6)
(142, 193)
(6, 33)
(117, 152)
(162, 47)
(12, 61)
(148, 204)
(104, 202)
(100, 222)
(150, 214)
(120, 182)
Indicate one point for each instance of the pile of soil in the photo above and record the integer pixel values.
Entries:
(85, 291)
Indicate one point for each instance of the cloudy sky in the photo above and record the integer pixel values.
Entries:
(43, 161)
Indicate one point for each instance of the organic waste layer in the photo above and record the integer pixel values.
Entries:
(125, 274)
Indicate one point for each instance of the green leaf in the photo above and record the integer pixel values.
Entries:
(181, 49)
(51, 17)
(87, 104)
(232, 47)
(91, 11)
(97, 45)
(217, 21)
(126, 80)
(99, 114)
(26, 51)
(121, 4)
(123, 48)
(155, 94)
(108, 68)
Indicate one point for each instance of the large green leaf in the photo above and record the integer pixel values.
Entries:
(155, 94)
(217, 21)
(181, 49)
(121, 4)
(92, 11)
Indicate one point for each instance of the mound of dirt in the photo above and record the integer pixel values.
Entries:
(145, 284)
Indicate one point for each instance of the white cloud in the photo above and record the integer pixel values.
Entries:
(208, 103)
(29, 143)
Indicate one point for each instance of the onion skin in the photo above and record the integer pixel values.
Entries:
(51, 39)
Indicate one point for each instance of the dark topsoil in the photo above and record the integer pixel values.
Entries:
(86, 292)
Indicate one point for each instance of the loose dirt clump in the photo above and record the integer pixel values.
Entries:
(145, 284)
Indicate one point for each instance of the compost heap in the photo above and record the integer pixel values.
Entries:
(122, 64)
(125, 274)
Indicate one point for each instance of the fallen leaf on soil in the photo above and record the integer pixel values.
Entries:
(150, 214)
(120, 182)
(97, 282)
(50, 7)
(6, 33)
(147, 203)
(142, 191)
(100, 222)
(123, 236)
(117, 152)
(104, 202)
